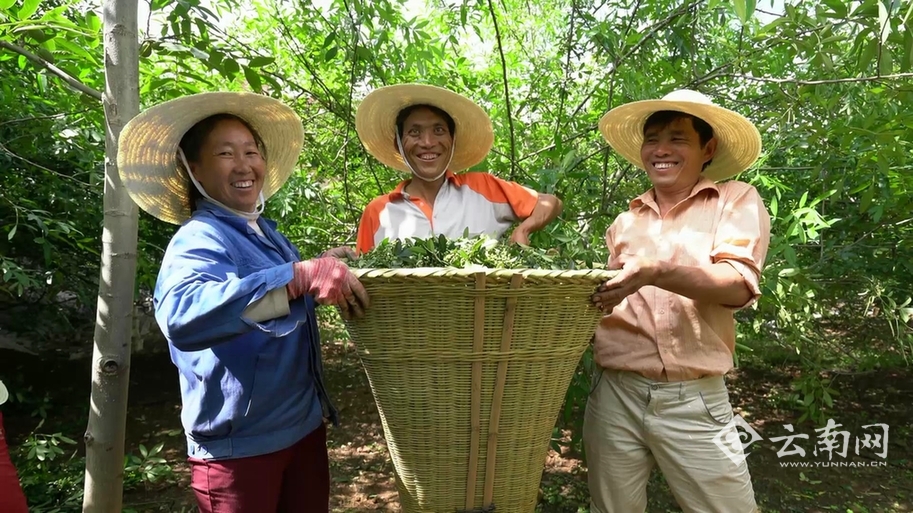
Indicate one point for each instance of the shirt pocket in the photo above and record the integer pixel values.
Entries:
(260, 393)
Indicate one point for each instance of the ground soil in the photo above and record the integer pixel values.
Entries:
(362, 475)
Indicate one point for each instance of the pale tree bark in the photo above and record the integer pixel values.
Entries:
(111, 356)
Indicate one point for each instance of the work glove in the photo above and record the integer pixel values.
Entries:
(329, 282)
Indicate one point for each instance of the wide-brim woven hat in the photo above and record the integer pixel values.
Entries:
(375, 122)
(738, 140)
(147, 156)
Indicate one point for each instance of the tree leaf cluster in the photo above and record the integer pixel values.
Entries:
(463, 253)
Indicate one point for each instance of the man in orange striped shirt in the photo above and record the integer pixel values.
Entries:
(690, 252)
(414, 128)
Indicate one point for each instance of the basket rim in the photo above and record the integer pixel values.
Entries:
(457, 272)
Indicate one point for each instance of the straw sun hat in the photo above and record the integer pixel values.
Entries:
(738, 140)
(375, 123)
(147, 149)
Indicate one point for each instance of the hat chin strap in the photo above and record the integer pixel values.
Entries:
(250, 216)
(402, 153)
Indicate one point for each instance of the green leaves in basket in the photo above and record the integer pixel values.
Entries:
(461, 253)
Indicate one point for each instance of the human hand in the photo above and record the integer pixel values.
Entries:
(520, 236)
(331, 283)
(636, 272)
(340, 252)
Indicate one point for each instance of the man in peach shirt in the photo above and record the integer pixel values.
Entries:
(690, 253)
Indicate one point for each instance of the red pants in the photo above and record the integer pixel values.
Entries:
(12, 500)
(293, 480)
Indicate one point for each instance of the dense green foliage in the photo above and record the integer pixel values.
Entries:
(827, 82)
(463, 253)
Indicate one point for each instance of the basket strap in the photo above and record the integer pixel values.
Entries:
(507, 334)
(478, 344)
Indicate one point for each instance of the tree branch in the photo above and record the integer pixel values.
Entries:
(567, 65)
(36, 118)
(589, 130)
(331, 102)
(63, 75)
(820, 82)
(643, 40)
(719, 70)
(510, 118)
(345, 158)
(9, 152)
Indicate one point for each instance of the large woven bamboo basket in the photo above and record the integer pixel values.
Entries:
(469, 370)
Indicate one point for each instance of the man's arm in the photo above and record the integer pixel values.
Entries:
(548, 207)
(718, 283)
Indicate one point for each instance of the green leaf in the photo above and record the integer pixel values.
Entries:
(886, 65)
(867, 198)
(28, 9)
(827, 399)
(77, 51)
(867, 55)
(259, 62)
(253, 78)
(6, 4)
(327, 41)
(790, 254)
(230, 68)
(744, 9)
(331, 53)
(92, 21)
(12, 232)
(838, 6)
(884, 22)
(364, 53)
(907, 58)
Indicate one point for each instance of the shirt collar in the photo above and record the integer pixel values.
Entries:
(204, 205)
(649, 199)
(399, 192)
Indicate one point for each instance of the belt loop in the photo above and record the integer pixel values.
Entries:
(681, 391)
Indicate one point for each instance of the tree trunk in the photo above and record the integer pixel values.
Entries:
(114, 320)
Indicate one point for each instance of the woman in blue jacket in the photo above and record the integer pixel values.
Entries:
(235, 301)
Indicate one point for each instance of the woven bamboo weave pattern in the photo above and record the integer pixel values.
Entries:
(470, 365)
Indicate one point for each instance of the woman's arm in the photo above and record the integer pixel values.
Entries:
(200, 299)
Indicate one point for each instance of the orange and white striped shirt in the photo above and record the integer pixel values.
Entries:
(479, 202)
(662, 335)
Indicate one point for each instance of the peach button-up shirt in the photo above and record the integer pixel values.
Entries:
(666, 336)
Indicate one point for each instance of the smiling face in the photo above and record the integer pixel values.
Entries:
(427, 142)
(230, 166)
(673, 155)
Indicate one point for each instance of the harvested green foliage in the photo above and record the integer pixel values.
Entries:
(463, 253)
